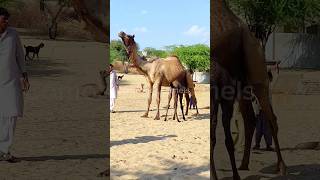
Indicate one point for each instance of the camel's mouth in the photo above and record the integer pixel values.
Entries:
(122, 34)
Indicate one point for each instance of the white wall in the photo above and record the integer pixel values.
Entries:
(295, 50)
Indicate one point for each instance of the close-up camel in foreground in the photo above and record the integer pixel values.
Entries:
(237, 58)
(158, 72)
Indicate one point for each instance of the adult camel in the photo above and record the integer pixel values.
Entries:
(237, 60)
(158, 72)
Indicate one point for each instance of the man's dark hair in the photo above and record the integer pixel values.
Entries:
(4, 12)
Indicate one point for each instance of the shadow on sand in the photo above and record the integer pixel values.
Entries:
(65, 157)
(140, 139)
(45, 68)
(201, 116)
(173, 170)
(298, 172)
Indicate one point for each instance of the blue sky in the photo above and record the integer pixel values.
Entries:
(159, 23)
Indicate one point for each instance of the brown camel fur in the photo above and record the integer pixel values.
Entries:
(179, 88)
(158, 72)
(237, 58)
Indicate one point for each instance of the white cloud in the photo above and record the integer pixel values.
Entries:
(140, 30)
(195, 30)
(143, 12)
(199, 32)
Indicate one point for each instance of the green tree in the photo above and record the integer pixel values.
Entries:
(263, 16)
(117, 51)
(53, 14)
(155, 52)
(194, 57)
(6, 3)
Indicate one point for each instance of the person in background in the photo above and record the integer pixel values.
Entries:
(237, 128)
(13, 81)
(262, 126)
(114, 87)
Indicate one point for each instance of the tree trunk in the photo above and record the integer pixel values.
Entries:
(53, 30)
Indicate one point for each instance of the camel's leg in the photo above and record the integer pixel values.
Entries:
(214, 122)
(175, 97)
(169, 99)
(149, 100)
(263, 97)
(181, 105)
(195, 101)
(227, 111)
(158, 100)
(187, 101)
(249, 126)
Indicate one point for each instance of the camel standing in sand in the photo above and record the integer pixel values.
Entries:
(237, 57)
(179, 88)
(158, 72)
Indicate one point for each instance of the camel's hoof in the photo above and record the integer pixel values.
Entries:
(144, 116)
(236, 177)
(157, 118)
(244, 168)
(282, 168)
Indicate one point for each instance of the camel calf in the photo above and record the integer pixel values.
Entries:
(181, 86)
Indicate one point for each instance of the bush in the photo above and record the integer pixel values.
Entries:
(117, 51)
(195, 57)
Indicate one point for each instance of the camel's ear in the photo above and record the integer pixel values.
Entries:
(132, 36)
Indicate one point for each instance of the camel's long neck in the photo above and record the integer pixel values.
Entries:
(222, 18)
(137, 61)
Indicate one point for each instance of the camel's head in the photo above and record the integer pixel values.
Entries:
(128, 41)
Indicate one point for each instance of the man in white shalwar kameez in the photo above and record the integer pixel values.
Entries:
(13, 80)
(114, 86)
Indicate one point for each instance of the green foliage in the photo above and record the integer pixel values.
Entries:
(299, 13)
(117, 51)
(195, 56)
(263, 16)
(5, 3)
(151, 52)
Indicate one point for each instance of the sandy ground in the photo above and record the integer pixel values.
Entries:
(62, 135)
(142, 148)
(296, 96)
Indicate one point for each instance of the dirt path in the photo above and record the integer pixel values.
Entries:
(63, 135)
